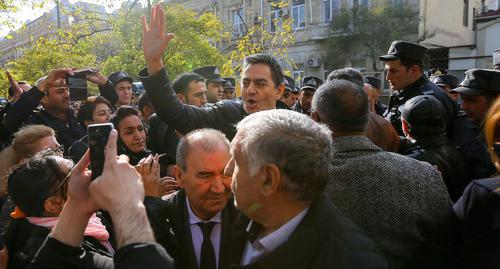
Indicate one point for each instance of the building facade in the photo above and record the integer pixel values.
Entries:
(311, 25)
(61, 17)
(461, 34)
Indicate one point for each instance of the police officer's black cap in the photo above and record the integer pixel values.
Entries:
(437, 72)
(479, 81)
(229, 83)
(210, 73)
(423, 110)
(496, 57)
(404, 50)
(445, 80)
(289, 84)
(375, 82)
(119, 76)
(310, 83)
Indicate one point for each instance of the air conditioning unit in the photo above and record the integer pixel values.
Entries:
(313, 62)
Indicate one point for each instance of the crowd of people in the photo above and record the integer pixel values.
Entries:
(317, 175)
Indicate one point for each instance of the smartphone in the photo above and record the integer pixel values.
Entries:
(98, 138)
(77, 84)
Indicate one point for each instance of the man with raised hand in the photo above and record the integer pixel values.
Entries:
(261, 85)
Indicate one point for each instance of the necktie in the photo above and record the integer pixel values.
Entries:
(207, 257)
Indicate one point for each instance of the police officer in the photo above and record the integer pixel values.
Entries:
(423, 122)
(496, 59)
(404, 66)
(213, 81)
(478, 90)
(286, 100)
(229, 89)
(376, 86)
(447, 83)
(309, 85)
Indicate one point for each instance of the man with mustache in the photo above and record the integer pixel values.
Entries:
(261, 85)
(194, 224)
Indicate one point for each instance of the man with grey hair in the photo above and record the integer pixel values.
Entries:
(194, 224)
(280, 166)
(400, 202)
(378, 130)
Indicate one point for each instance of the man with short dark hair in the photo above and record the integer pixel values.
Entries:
(478, 90)
(190, 89)
(194, 224)
(291, 223)
(401, 203)
(405, 74)
(309, 85)
(53, 93)
(213, 82)
(261, 85)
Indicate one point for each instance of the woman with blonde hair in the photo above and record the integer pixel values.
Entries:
(479, 207)
(27, 142)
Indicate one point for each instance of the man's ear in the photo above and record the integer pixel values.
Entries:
(53, 205)
(272, 179)
(178, 175)
(315, 116)
(44, 100)
(181, 98)
(280, 90)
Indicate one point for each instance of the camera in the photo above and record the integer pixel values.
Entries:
(77, 84)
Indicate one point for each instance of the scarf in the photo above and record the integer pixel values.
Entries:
(94, 228)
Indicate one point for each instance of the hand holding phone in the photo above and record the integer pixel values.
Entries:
(77, 84)
(98, 135)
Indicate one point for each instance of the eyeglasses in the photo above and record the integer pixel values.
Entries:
(62, 178)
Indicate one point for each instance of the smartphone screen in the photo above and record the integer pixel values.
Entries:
(98, 138)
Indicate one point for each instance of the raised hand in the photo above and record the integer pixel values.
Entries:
(55, 79)
(154, 39)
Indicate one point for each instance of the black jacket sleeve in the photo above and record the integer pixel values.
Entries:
(108, 91)
(55, 254)
(21, 109)
(143, 255)
(185, 118)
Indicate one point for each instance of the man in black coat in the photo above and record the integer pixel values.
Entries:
(309, 85)
(179, 222)
(261, 85)
(404, 66)
(290, 223)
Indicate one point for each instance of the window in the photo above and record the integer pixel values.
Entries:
(238, 23)
(331, 9)
(275, 15)
(298, 14)
(466, 13)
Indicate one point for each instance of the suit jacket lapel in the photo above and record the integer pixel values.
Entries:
(183, 232)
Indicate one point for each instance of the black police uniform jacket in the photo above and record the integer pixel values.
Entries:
(479, 212)
(170, 223)
(221, 116)
(423, 86)
(323, 239)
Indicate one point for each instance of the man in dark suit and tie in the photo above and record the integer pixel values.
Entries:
(194, 223)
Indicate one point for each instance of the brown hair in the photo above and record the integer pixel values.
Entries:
(490, 125)
(23, 145)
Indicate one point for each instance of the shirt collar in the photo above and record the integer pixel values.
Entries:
(193, 219)
(279, 236)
